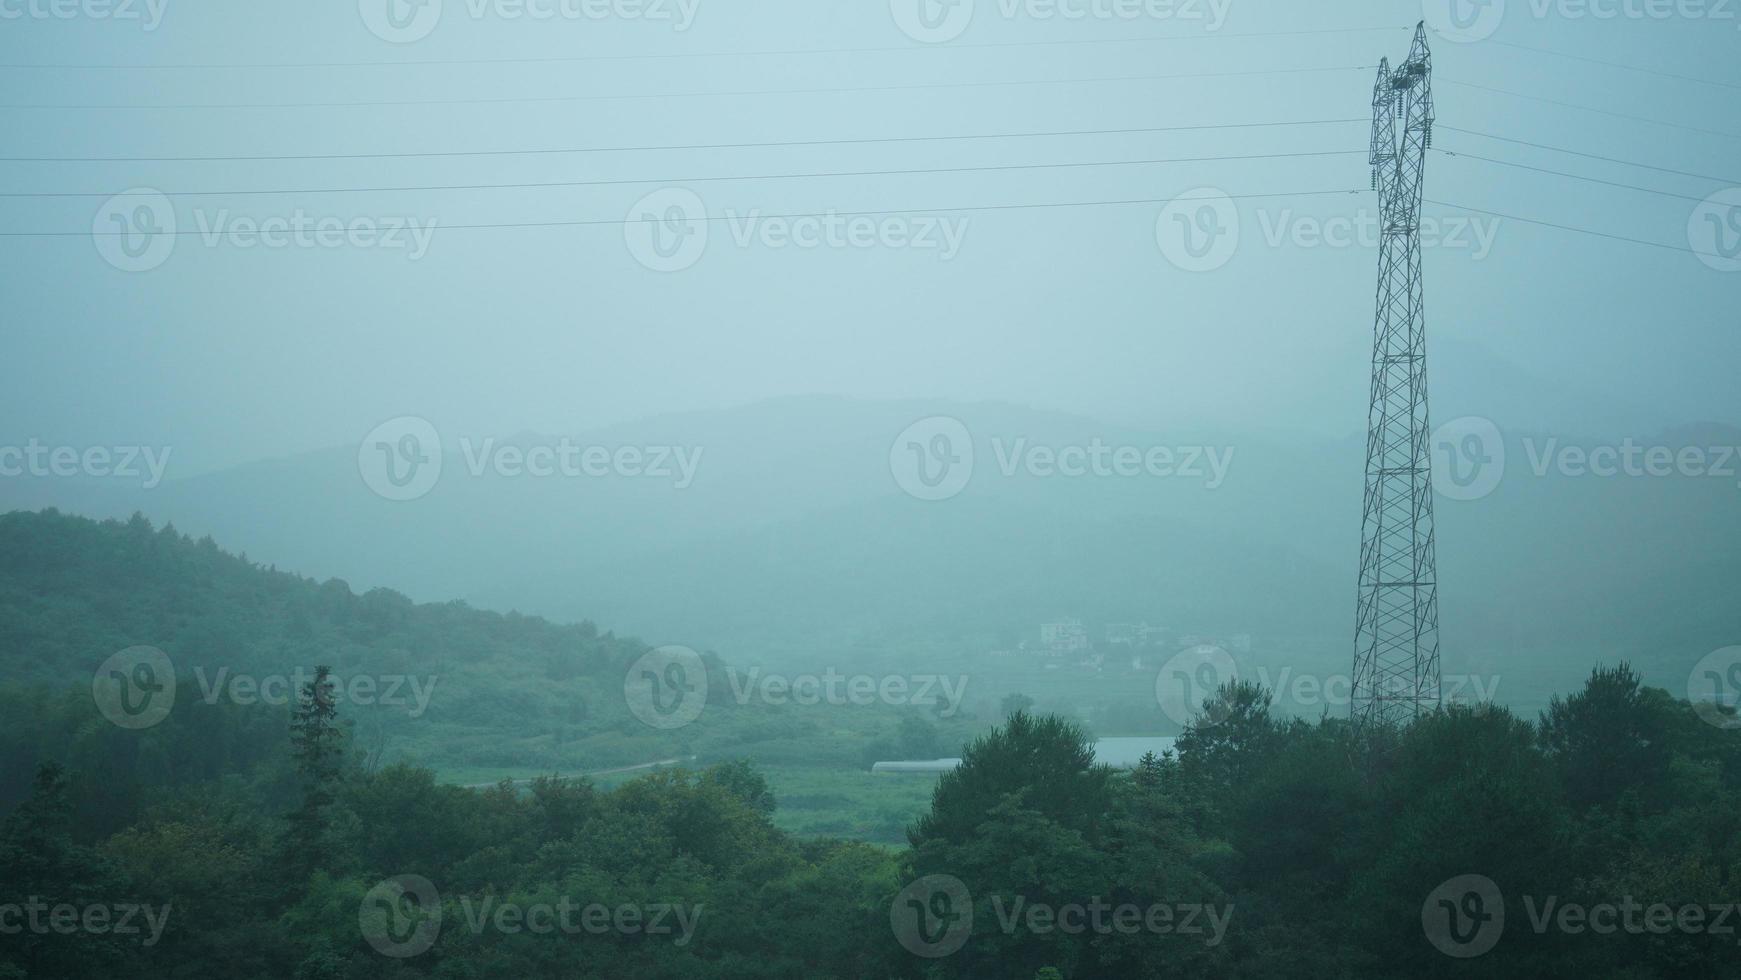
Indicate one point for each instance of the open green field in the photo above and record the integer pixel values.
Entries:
(817, 801)
(814, 800)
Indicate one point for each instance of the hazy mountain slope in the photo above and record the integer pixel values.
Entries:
(796, 537)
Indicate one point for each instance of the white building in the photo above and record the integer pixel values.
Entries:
(1064, 637)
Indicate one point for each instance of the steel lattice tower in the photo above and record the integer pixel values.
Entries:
(1396, 644)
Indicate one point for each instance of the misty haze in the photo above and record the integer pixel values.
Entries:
(900, 489)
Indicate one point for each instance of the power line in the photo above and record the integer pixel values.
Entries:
(694, 146)
(1617, 64)
(704, 179)
(953, 46)
(1581, 231)
(1591, 156)
(944, 210)
(1561, 173)
(686, 95)
(832, 142)
(712, 218)
(712, 178)
(1602, 112)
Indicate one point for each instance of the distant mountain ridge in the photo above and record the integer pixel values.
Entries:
(796, 536)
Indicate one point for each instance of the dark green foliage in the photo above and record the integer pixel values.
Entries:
(317, 748)
(506, 692)
(40, 864)
(268, 832)
(1320, 869)
(73, 591)
(1047, 760)
(1609, 737)
(1028, 821)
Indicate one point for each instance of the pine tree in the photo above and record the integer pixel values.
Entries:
(1149, 770)
(317, 745)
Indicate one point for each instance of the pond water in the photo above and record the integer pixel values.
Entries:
(1125, 752)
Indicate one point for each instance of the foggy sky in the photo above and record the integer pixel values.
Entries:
(237, 354)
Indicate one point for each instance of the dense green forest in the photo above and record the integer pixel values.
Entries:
(1601, 839)
(474, 694)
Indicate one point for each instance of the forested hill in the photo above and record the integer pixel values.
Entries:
(73, 590)
(475, 695)
(451, 685)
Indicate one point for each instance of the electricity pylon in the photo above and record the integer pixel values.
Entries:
(1396, 638)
